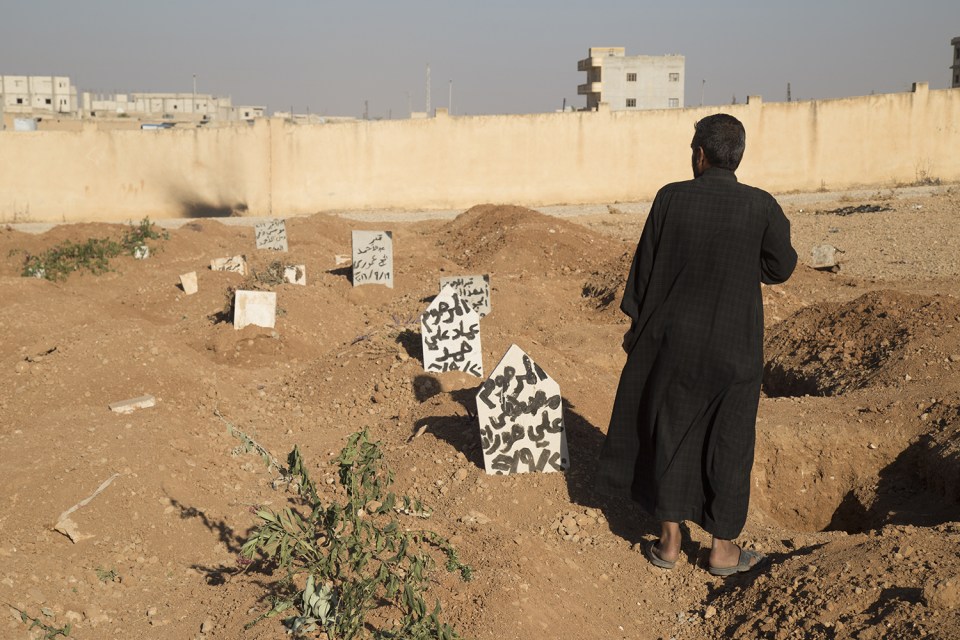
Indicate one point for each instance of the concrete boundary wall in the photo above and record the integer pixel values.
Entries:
(273, 168)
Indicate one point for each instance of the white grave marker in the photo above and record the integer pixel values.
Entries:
(141, 252)
(189, 283)
(272, 234)
(373, 258)
(237, 264)
(473, 289)
(254, 307)
(295, 274)
(450, 334)
(521, 418)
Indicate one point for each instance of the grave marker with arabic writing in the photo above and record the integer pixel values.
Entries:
(521, 418)
(271, 234)
(474, 289)
(373, 258)
(450, 334)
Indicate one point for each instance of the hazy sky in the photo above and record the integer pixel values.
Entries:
(503, 57)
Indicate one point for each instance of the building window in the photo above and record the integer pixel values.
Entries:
(19, 100)
(674, 77)
(631, 102)
(48, 101)
(674, 103)
(631, 77)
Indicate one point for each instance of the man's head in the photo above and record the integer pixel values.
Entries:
(718, 141)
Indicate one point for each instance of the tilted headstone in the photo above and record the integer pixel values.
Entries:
(188, 281)
(295, 274)
(373, 258)
(473, 289)
(521, 418)
(450, 334)
(271, 234)
(254, 307)
(237, 264)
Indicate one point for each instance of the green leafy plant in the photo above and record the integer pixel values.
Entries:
(93, 255)
(364, 573)
(107, 575)
(49, 631)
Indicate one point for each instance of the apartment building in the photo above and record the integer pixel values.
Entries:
(37, 95)
(631, 82)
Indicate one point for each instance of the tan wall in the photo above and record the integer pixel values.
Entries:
(276, 168)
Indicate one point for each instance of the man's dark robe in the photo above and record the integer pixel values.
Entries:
(682, 433)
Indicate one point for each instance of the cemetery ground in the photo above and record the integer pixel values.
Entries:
(856, 480)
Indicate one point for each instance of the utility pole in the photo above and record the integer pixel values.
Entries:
(450, 99)
(194, 107)
(788, 92)
(366, 110)
(703, 83)
(409, 106)
(427, 104)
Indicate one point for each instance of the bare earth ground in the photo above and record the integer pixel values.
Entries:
(856, 480)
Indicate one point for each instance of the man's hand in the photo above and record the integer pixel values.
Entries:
(628, 340)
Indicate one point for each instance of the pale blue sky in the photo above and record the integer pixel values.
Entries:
(503, 57)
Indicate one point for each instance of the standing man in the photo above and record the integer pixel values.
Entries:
(682, 433)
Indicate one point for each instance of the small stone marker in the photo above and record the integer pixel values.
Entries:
(141, 252)
(271, 234)
(340, 259)
(450, 334)
(237, 264)
(254, 307)
(295, 274)
(188, 281)
(473, 289)
(825, 257)
(373, 258)
(131, 405)
(521, 418)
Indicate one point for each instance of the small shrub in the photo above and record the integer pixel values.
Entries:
(353, 558)
(93, 255)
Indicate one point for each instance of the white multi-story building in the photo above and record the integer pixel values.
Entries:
(956, 62)
(168, 106)
(37, 95)
(631, 82)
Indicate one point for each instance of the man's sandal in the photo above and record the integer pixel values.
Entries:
(650, 550)
(744, 564)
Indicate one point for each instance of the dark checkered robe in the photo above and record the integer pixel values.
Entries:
(682, 433)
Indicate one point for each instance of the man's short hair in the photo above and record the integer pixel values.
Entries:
(723, 139)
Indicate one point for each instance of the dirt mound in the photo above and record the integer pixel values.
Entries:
(511, 238)
(901, 582)
(831, 349)
(603, 289)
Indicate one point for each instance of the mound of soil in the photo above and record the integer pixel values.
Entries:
(832, 349)
(901, 582)
(511, 238)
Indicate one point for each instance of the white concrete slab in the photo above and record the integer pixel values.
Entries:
(254, 307)
(450, 335)
(474, 289)
(272, 235)
(373, 258)
(188, 281)
(521, 418)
